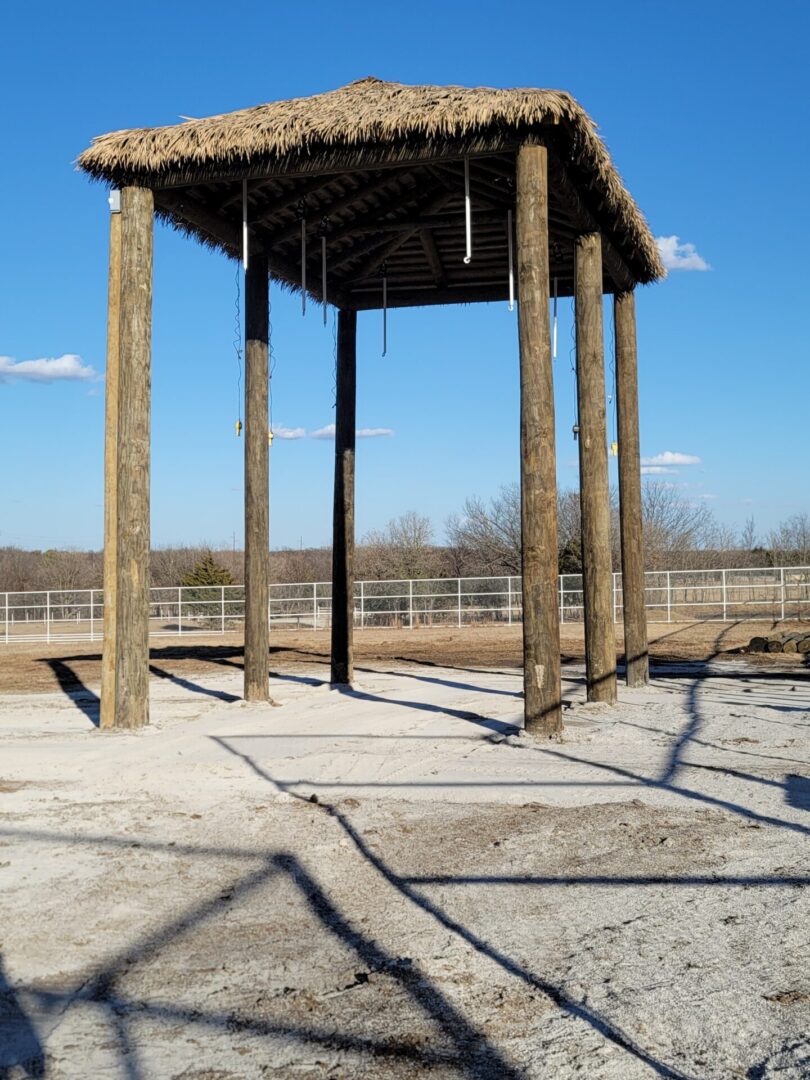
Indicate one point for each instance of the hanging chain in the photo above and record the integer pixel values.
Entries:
(237, 346)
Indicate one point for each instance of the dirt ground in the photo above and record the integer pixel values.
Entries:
(395, 881)
(35, 667)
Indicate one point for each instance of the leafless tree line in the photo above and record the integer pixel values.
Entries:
(483, 539)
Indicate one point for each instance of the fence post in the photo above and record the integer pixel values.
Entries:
(669, 598)
(222, 609)
(509, 593)
(6, 618)
(362, 605)
(48, 616)
(782, 590)
(180, 610)
(314, 605)
(410, 604)
(459, 601)
(562, 598)
(725, 604)
(92, 614)
(615, 599)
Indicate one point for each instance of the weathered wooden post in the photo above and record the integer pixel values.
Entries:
(131, 605)
(538, 472)
(257, 481)
(107, 715)
(343, 514)
(633, 596)
(597, 568)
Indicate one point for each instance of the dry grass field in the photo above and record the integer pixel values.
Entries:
(36, 666)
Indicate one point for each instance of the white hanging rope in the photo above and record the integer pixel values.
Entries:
(303, 264)
(244, 225)
(385, 311)
(323, 275)
(467, 211)
(511, 263)
(554, 325)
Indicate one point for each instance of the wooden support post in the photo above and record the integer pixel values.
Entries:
(132, 494)
(107, 715)
(257, 480)
(597, 569)
(538, 473)
(343, 516)
(636, 649)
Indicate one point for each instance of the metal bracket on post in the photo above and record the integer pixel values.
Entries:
(725, 602)
(114, 200)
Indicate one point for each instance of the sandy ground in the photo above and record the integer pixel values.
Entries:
(395, 881)
(35, 666)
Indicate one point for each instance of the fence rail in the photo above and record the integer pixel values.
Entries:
(772, 593)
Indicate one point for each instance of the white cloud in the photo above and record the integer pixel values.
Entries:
(671, 457)
(60, 369)
(678, 256)
(328, 432)
(289, 433)
(657, 470)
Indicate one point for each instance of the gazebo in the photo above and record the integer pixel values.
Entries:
(384, 195)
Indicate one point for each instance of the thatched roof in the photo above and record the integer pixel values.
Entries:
(371, 124)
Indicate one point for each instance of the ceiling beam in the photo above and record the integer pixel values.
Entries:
(375, 261)
(358, 194)
(337, 162)
(229, 237)
(433, 257)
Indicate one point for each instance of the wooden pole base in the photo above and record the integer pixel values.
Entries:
(257, 481)
(597, 567)
(343, 515)
(107, 711)
(132, 489)
(636, 649)
(538, 474)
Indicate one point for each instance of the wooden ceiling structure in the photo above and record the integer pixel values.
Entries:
(395, 202)
(410, 191)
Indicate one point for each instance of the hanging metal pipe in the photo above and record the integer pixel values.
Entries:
(467, 211)
(323, 275)
(554, 325)
(385, 312)
(303, 264)
(244, 224)
(511, 263)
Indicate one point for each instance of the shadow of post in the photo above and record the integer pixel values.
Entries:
(72, 686)
(20, 1045)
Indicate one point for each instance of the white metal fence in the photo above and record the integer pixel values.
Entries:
(771, 593)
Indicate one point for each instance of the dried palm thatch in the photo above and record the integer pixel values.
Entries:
(371, 121)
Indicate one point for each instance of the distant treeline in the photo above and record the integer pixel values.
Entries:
(482, 540)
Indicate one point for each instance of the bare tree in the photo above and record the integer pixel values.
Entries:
(748, 536)
(485, 538)
(789, 542)
(403, 549)
(677, 532)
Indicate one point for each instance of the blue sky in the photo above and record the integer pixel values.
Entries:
(703, 106)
